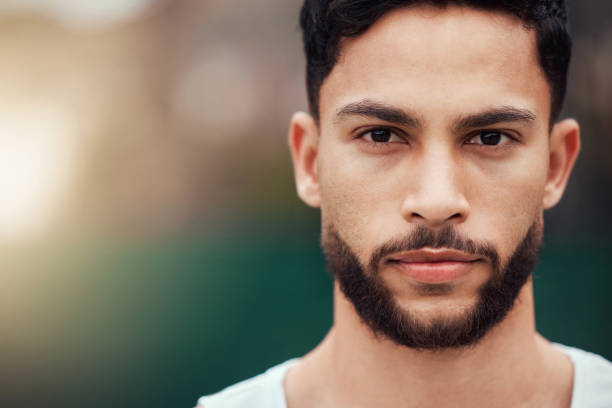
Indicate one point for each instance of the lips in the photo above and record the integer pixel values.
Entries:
(434, 255)
(434, 265)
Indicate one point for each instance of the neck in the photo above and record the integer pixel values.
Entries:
(450, 375)
(360, 369)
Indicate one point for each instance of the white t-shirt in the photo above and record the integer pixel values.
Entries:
(592, 385)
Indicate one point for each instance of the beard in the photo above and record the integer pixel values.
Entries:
(374, 302)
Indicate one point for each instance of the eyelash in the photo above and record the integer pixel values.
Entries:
(381, 145)
(511, 139)
(361, 137)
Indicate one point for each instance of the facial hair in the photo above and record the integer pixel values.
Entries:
(375, 305)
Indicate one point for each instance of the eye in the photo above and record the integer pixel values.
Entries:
(380, 135)
(489, 138)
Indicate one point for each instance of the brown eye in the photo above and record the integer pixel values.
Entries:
(380, 135)
(490, 138)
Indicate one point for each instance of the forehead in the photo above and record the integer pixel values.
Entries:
(439, 62)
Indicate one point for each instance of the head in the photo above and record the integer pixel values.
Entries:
(433, 127)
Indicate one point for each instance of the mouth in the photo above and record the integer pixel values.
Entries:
(434, 265)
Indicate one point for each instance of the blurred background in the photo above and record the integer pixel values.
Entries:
(152, 247)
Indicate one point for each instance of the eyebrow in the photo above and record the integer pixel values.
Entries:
(493, 116)
(388, 113)
(378, 110)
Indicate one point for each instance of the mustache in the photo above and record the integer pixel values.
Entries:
(447, 237)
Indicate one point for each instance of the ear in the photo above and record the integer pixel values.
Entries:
(564, 148)
(304, 145)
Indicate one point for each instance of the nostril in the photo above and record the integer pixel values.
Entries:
(435, 210)
(434, 221)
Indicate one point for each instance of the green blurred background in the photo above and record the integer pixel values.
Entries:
(152, 248)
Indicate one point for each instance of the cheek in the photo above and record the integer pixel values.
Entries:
(508, 199)
(344, 203)
(356, 202)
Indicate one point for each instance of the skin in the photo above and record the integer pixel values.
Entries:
(437, 67)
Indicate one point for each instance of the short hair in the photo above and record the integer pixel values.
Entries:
(325, 22)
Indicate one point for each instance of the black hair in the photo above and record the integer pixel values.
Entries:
(325, 22)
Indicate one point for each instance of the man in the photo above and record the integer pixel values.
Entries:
(432, 147)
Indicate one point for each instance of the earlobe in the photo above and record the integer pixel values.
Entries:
(303, 143)
(564, 148)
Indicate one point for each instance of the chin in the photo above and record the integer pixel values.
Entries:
(437, 309)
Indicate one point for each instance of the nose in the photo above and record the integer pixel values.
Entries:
(436, 197)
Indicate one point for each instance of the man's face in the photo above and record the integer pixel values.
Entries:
(433, 122)
(433, 145)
